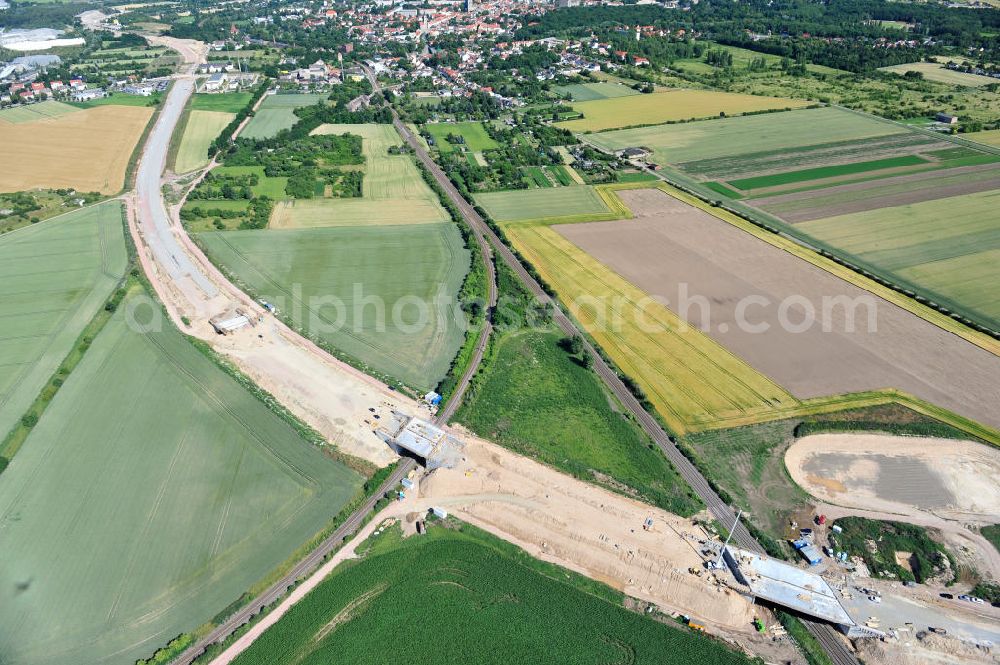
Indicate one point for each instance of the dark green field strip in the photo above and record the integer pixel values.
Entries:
(463, 597)
(722, 189)
(828, 197)
(818, 173)
(953, 153)
(738, 164)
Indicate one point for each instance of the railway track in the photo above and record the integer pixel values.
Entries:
(825, 634)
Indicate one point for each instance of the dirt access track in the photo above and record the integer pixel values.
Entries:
(671, 248)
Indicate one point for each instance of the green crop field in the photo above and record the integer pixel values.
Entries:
(201, 128)
(476, 138)
(989, 137)
(538, 401)
(227, 102)
(805, 175)
(276, 113)
(154, 491)
(957, 260)
(748, 134)
(585, 92)
(351, 266)
(934, 71)
(576, 203)
(120, 99)
(272, 187)
(669, 105)
(393, 191)
(32, 112)
(54, 276)
(490, 603)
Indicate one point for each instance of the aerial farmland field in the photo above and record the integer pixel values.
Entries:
(585, 92)
(659, 107)
(275, 113)
(122, 533)
(54, 276)
(352, 265)
(953, 261)
(724, 137)
(227, 102)
(575, 203)
(505, 602)
(935, 71)
(476, 138)
(40, 111)
(201, 128)
(49, 151)
(393, 190)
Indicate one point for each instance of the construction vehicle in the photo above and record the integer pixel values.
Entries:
(759, 625)
(696, 626)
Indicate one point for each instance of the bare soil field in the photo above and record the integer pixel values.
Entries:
(890, 473)
(671, 248)
(882, 193)
(49, 152)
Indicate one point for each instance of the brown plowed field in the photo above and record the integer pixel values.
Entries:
(878, 194)
(669, 244)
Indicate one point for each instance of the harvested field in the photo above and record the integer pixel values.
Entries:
(658, 107)
(393, 192)
(32, 112)
(772, 132)
(276, 113)
(54, 277)
(201, 128)
(671, 245)
(585, 92)
(886, 473)
(877, 194)
(122, 533)
(690, 379)
(955, 262)
(474, 134)
(329, 282)
(573, 203)
(49, 152)
(935, 71)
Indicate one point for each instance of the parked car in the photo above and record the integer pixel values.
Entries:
(947, 595)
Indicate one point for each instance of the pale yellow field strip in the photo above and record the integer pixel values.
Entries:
(201, 129)
(689, 378)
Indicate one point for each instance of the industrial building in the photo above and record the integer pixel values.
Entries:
(415, 437)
